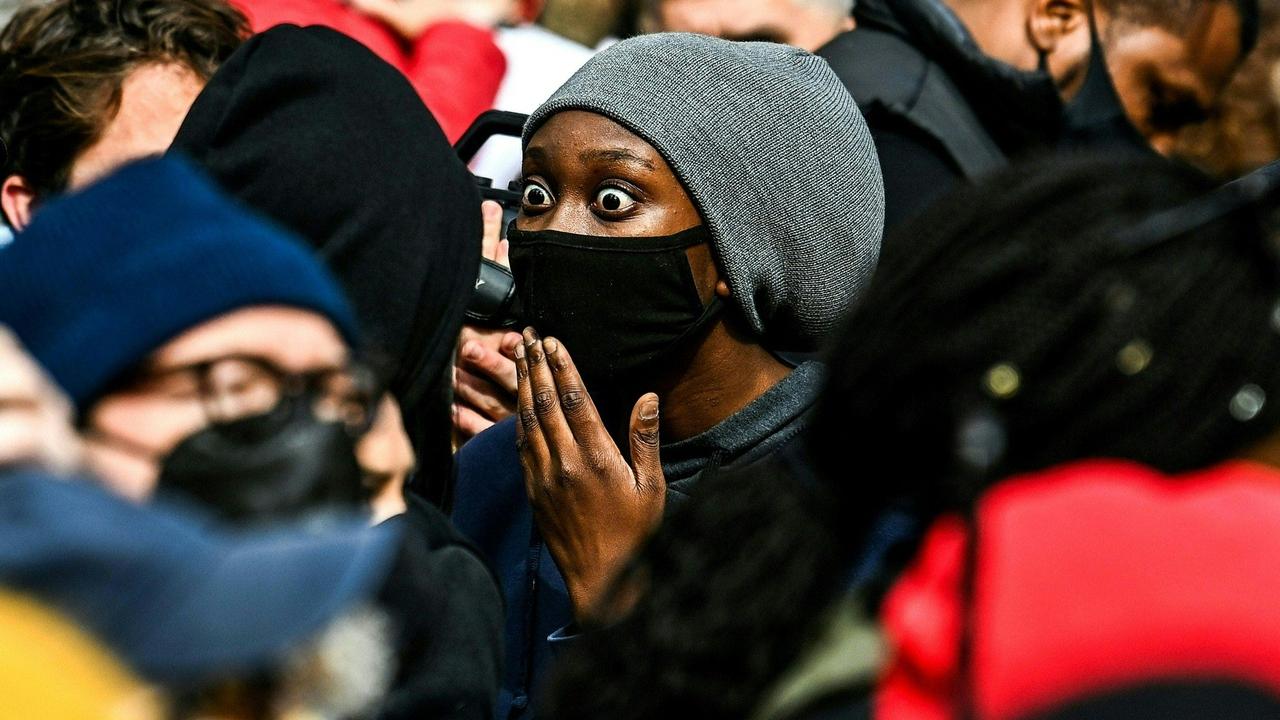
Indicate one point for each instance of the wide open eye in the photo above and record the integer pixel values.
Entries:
(536, 197)
(614, 200)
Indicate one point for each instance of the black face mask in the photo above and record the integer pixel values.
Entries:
(284, 463)
(1095, 117)
(625, 307)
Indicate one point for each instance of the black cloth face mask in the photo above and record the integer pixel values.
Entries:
(1095, 117)
(285, 463)
(624, 307)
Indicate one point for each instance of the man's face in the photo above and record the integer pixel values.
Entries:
(806, 25)
(154, 99)
(1168, 83)
(1166, 80)
(130, 430)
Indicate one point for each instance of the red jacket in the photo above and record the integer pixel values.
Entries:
(455, 67)
(1086, 579)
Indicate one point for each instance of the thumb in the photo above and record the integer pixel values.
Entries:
(645, 460)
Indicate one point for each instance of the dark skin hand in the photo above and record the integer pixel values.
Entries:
(575, 475)
(588, 175)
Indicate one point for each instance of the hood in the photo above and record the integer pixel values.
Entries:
(312, 129)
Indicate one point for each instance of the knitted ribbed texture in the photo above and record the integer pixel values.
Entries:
(775, 155)
(103, 278)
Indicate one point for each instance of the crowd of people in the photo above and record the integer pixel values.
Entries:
(792, 360)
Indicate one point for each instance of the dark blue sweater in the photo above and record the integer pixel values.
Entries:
(491, 508)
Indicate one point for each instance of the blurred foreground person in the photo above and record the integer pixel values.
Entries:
(952, 89)
(1026, 326)
(215, 359)
(673, 230)
(50, 668)
(806, 24)
(250, 625)
(88, 85)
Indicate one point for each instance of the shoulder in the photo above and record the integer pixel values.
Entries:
(876, 66)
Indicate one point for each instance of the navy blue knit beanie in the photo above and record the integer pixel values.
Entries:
(103, 278)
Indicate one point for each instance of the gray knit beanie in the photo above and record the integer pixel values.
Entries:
(775, 155)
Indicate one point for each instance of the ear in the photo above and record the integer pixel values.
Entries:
(1053, 23)
(722, 289)
(17, 199)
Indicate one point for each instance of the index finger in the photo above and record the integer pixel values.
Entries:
(579, 409)
(546, 399)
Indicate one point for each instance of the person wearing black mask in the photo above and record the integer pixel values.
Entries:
(1076, 308)
(954, 89)
(681, 218)
(210, 356)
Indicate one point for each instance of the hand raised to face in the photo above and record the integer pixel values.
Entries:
(484, 375)
(35, 416)
(592, 506)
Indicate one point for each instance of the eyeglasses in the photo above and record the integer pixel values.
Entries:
(236, 387)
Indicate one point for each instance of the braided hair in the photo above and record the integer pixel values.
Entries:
(1008, 329)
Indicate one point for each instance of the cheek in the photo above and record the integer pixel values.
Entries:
(385, 450)
(155, 423)
(130, 477)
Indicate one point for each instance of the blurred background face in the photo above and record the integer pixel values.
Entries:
(807, 24)
(1168, 83)
(153, 101)
(1167, 79)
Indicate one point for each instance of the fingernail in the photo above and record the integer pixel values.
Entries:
(649, 411)
(550, 345)
(520, 352)
(471, 351)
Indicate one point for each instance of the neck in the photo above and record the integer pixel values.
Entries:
(728, 371)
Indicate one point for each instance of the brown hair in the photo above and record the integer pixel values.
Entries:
(62, 65)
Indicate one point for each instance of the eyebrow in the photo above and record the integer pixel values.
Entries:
(615, 155)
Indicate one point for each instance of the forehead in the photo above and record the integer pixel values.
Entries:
(573, 132)
(154, 99)
(1203, 57)
(294, 339)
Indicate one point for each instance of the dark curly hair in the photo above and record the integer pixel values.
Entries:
(1008, 329)
(63, 63)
